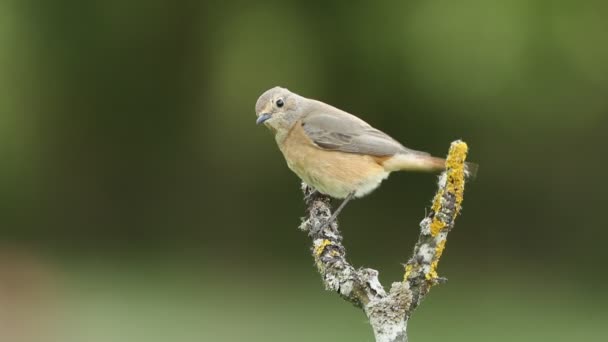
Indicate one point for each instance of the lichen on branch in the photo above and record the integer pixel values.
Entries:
(388, 312)
(421, 269)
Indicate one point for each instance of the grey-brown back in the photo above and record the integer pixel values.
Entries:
(333, 129)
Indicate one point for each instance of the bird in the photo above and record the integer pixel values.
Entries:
(336, 152)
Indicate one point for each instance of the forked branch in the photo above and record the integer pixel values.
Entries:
(388, 312)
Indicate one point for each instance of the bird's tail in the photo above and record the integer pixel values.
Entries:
(424, 163)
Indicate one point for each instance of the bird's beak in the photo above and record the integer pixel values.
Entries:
(263, 117)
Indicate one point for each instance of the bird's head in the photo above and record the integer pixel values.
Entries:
(277, 108)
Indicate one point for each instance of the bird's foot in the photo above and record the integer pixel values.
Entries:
(334, 216)
(329, 221)
(313, 193)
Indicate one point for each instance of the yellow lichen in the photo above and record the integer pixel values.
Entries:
(321, 247)
(436, 226)
(439, 249)
(432, 272)
(408, 270)
(455, 166)
(453, 188)
(437, 201)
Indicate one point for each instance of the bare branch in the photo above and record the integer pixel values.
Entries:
(388, 313)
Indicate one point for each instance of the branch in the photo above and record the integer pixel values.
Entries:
(388, 313)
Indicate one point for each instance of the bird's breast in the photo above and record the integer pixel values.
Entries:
(332, 173)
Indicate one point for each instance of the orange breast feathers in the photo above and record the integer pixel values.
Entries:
(333, 173)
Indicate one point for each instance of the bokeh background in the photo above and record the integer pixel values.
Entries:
(140, 202)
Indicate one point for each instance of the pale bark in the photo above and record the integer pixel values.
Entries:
(388, 312)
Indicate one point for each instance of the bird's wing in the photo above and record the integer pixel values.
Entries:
(332, 129)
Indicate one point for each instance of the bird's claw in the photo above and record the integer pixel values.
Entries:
(310, 195)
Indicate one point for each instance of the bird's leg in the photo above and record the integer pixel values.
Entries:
(337, 212)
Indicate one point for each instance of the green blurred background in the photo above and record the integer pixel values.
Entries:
(140, 202)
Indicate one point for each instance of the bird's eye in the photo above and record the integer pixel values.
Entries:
(280, 103)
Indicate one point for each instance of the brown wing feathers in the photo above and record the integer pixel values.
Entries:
(340, 131)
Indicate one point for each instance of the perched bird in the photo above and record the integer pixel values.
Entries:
(333, 151)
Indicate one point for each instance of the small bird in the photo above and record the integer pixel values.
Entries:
(333, 151)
